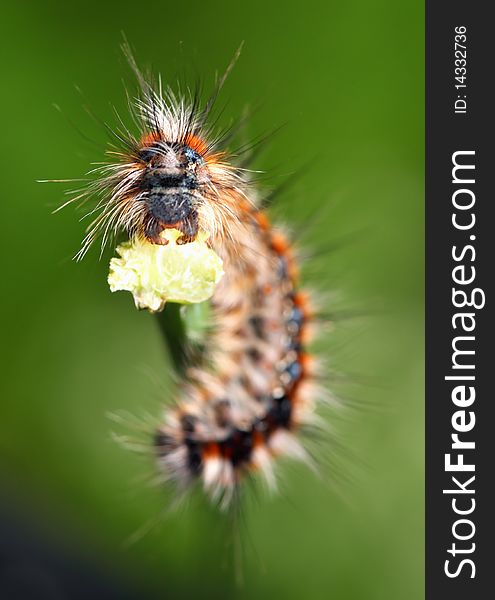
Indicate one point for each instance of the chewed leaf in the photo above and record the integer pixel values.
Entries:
(156, 274)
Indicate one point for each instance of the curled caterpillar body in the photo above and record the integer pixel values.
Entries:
(242, 404)
(240, 413)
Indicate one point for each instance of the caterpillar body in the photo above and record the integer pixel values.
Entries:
(243, 411)
(245, 402)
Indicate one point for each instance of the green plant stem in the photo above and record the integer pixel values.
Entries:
(173, 329)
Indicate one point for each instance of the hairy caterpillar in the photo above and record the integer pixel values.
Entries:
(244, 401)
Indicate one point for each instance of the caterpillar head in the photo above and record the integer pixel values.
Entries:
(167, 177)
(172, 188)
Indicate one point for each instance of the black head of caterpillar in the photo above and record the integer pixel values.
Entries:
(172, 174)
(173, 184)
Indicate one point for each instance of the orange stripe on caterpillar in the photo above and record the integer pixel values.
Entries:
(262, 220)
(196, 143)
(150, 138)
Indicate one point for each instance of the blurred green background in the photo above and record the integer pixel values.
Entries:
(346, 81)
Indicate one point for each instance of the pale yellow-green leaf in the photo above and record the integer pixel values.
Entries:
(156, 274)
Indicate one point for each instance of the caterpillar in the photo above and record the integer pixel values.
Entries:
(244, 402)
